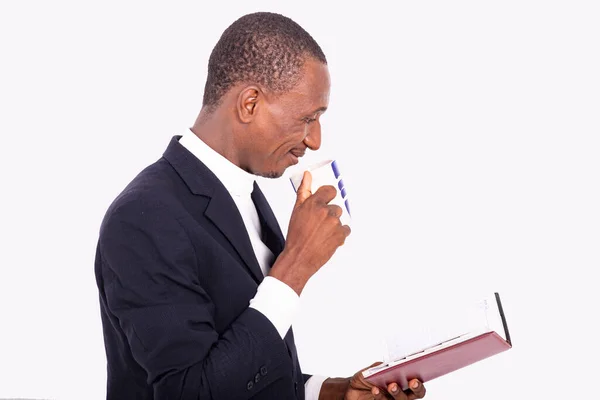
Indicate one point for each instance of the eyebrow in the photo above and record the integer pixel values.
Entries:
(320, 109)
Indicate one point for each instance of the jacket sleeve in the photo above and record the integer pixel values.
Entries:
(152, 288)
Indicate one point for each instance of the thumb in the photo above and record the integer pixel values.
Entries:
(304, 192)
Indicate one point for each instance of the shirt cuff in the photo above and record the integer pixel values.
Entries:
(278, 302)
(312, 387)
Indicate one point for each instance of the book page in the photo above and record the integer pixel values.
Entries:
(439, 323)
(443, 345)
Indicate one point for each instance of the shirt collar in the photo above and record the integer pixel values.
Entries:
(237, 181)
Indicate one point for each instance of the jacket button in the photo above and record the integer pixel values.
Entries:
(257, 378)
(250, 385)
(263, 371)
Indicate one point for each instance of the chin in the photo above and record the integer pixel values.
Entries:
(272, 171)
(271, 174)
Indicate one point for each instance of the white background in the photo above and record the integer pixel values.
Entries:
(467, 133)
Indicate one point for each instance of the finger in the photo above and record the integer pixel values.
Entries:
(342, 234)
(346, 229)
(303, 191)
(326, 193)
(334, 210)
(416, 390)
(395, 391)
(377, 393)
(376, 363)
(361, 379)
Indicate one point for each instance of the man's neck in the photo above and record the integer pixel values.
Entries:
(215, 130)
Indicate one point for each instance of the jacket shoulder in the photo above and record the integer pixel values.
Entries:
(156, 187)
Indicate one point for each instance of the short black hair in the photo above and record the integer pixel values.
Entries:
(261, 48)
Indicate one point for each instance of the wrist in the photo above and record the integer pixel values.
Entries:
(286, 270)
(334, 389)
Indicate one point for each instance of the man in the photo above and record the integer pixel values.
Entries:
(197, 285)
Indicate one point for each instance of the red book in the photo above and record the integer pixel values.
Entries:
(449, 355)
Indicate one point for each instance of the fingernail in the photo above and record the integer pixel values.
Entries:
(415, 384)
(375, 391)
(394, 388)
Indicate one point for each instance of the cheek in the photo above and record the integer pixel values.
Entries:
(296, 131)
(287, 135)
(293, 139)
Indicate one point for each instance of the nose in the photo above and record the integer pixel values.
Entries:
(313, 138)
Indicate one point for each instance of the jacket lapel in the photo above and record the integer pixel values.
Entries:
(221, 210)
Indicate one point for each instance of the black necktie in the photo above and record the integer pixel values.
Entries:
(271, 232)
(273, 238)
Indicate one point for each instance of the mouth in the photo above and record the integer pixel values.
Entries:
(297, 152)
(293, 157)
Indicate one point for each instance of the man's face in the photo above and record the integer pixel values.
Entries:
(287, 124)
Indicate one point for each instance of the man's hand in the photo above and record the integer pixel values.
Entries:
(360, 389)
(314, 234)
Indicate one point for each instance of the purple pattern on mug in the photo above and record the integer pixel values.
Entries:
(336, 171)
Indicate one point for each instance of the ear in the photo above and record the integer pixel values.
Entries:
(248, 103)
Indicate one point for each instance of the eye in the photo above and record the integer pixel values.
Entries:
(308, 120)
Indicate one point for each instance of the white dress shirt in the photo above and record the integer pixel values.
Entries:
(274, 299)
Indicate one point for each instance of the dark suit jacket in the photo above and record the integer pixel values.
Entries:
(176, 271)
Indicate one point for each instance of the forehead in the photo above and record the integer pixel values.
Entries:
(313, 87)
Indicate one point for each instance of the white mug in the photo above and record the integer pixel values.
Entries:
(326, 173)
